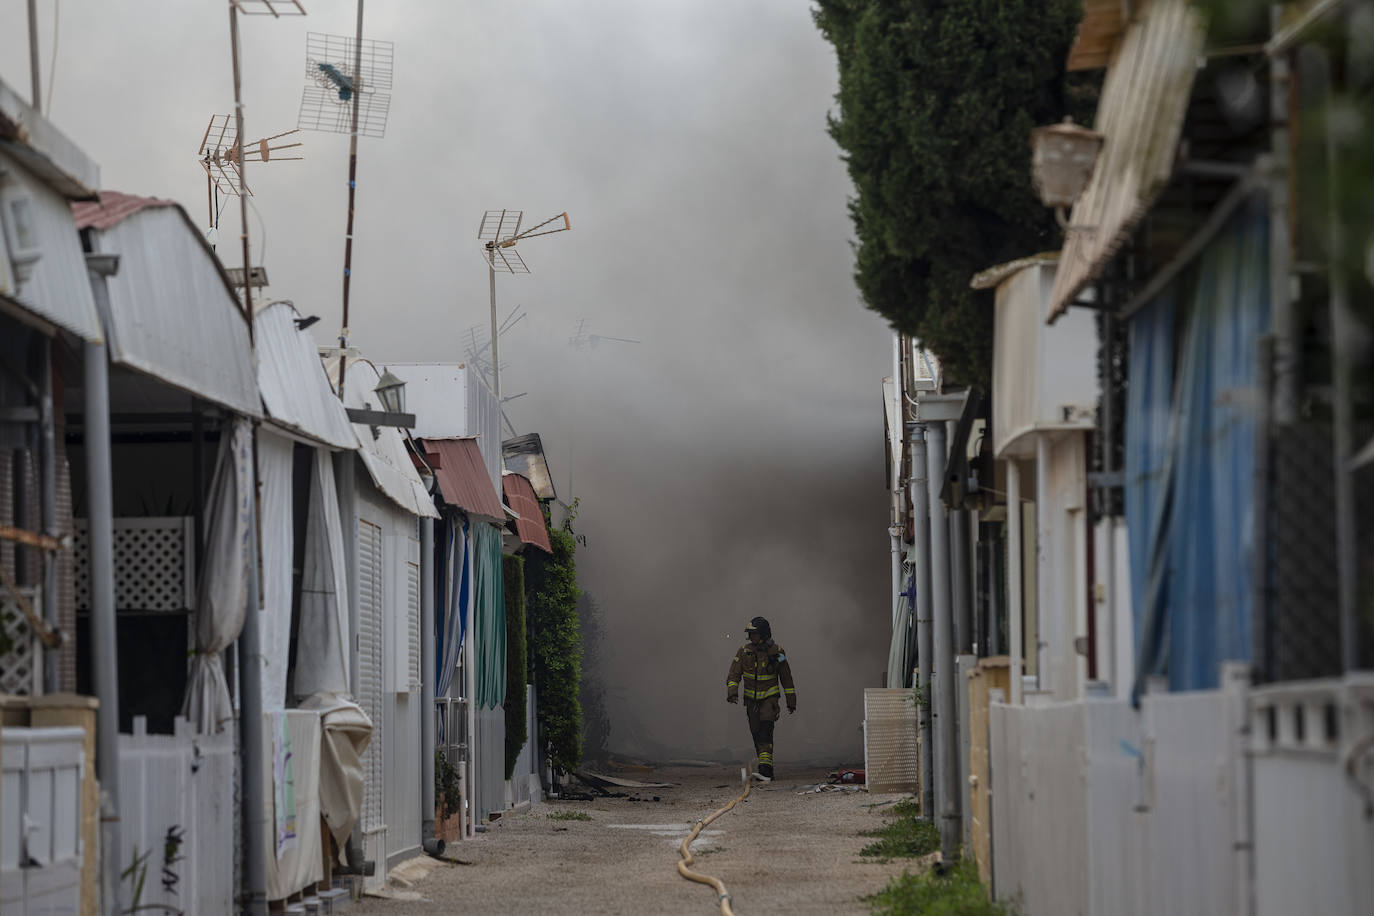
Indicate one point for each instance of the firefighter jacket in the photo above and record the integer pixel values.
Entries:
(764, 672)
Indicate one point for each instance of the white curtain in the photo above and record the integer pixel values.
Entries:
(222, 596)
(346, 732)
(275, 458)
(322, 657)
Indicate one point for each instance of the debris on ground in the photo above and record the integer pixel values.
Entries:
(848, 776)
(830, 787)
(606, 782)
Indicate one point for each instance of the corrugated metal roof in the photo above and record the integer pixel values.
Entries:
(173, 314)
(295, 392)
(463, 479)
(385, 455)
(44, 150)
(58, 288)
(1144, 100)
(111, 209)
(525, 456)
(530, 525)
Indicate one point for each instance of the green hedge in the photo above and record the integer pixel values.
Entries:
(513, 569)
(556, 647)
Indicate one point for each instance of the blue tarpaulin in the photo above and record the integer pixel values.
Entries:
(1190, 458)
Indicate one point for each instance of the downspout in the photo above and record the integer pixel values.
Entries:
(961, 575)
(1015, 604)
(946, 747)
(348, 518)
(920, 549)
(433, 846)
(47, 457)
(104, 655)
(1049, 626)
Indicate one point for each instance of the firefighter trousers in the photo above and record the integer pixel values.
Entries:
(762, 715)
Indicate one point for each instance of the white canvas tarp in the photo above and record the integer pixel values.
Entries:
(322, 658)
(293, 865)
(223, 589)
(346, 733)
(275, 459)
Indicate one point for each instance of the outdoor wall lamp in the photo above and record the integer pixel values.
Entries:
(1063, 157)
(392, 393)
(20, 232)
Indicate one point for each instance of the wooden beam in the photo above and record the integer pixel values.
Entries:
(30, 538)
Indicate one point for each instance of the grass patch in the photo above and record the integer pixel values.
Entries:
(906, 837)
(928, 894)
(569, 816)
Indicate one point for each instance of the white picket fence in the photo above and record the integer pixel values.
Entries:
(176, 801)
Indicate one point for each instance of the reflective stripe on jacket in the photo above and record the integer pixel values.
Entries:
(762, 672)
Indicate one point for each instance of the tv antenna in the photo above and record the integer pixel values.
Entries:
(347, 91)
(479, 344)
(499, 233)
(581, 340)
(220, 158)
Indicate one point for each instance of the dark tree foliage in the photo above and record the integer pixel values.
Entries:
(556, 646)
(517, 732)
(936, 104)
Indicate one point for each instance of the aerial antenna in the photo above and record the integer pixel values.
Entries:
(581, 340)
(219, 157)
(479, 343)
(499, 232)
(347, 91)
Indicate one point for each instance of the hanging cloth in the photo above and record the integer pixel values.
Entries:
(222, 596)
(276, 457)
(322, 658)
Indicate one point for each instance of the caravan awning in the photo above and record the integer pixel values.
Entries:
(530, 524)
(295, 391)
(1144, 100)
(463, 478)
(173, 314)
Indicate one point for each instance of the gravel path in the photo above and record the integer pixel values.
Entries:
(777, 852)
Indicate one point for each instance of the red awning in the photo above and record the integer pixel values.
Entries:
(463, 478)
(530, 525)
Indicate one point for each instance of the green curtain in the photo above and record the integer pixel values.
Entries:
(490, 611)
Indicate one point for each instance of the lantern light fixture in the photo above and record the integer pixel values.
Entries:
(1063, 157)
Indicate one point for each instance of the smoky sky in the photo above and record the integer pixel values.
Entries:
(731, 462)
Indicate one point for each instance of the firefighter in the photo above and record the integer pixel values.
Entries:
(763, 668)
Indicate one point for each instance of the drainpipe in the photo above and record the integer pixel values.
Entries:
(962, 579)
(1015, 604)
(946, 747)
(433, 846)
(920, 550)
(100, 521)
(47, 457)
(251, 733)
(1049, 625)
(348, 517)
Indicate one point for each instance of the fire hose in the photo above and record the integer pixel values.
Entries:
(686, 851)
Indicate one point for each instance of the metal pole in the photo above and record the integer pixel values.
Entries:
(243, 180)
(1286, 349)
(1049, 626)
(1015, 604)
(495, 359)
(1343, 332)
(920, 550)
(352, 190)
(1107, 667)
(104, 647)
(35, 66)
(942, 610)
(344, 467)
(961, 575)
(427, 668)
(251, 739)
(47, 456)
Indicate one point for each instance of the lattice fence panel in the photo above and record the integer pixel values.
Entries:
(892, 759)
(21, 668)
(154, 564)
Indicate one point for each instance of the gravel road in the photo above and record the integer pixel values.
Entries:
(777, 852)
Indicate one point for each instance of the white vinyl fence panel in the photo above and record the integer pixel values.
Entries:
(1100, 808)
(40, 820)
(177, 817)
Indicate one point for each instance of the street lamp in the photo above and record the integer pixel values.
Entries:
(1062, 160)
(391, 391)
(499, 232)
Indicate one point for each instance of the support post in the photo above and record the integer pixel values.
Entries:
(920, 503)
(961, 576)
(495, 357)
(47, 455)
(344, 463)
(942, 610)
(427, 668)
(35, 65)
(104, 654)
(251, 740)
(1015, 603)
